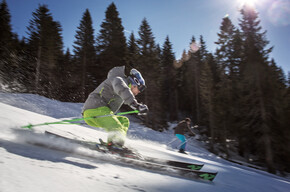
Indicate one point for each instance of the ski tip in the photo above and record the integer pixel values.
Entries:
(195, 166)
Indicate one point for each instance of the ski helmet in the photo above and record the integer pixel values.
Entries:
(136, 79)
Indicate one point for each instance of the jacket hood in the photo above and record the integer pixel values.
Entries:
(117, 72)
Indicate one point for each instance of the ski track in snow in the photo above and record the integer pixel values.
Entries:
(63, 166)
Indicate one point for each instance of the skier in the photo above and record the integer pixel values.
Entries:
(107, 99)
(179, 131)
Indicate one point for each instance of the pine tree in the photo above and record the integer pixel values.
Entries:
(45, 44)
(85, 56)
(257, 125)
(278, 109)
(168, 81)
(225, 124)
(285, 143)
(288, 82)
(202, 51)
(225, 50)
(133, 52)
(149, 66)
(202, 56)
(228, 58)
(189, 94)
(6, 35)
(193, 66)
(111, 43)
(14, 67)
(207, 87)
(180, 70)
(67, 81)
(6, 38)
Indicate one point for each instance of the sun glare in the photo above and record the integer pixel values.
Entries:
(248, 2)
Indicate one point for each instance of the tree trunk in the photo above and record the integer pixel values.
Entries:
(84, 71)
(266, 135)
(197, 94)
(211, 124)
(38, 62)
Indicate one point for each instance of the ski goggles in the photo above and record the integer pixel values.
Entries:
(141, 88)
(135, 81)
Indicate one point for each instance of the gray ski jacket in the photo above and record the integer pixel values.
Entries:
(112, 92)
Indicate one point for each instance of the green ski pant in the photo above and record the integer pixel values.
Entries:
(116, 126)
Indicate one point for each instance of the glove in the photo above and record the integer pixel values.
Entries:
(142, 108)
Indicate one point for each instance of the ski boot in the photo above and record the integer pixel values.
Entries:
(182, 151)
(115, 146)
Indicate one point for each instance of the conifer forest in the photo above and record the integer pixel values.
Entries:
(236, 94)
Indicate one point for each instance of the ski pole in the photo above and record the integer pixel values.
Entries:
(68, 121)
(181, 144)
(171, 141)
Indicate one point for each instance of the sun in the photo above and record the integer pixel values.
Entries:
(248, 2)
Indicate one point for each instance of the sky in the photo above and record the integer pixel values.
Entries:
(180, 20)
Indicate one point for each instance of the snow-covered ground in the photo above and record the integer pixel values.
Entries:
(27, 167)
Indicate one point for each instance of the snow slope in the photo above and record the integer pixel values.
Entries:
(27, 167)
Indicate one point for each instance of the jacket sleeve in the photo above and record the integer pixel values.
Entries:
(122, 89)
(190, 131)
